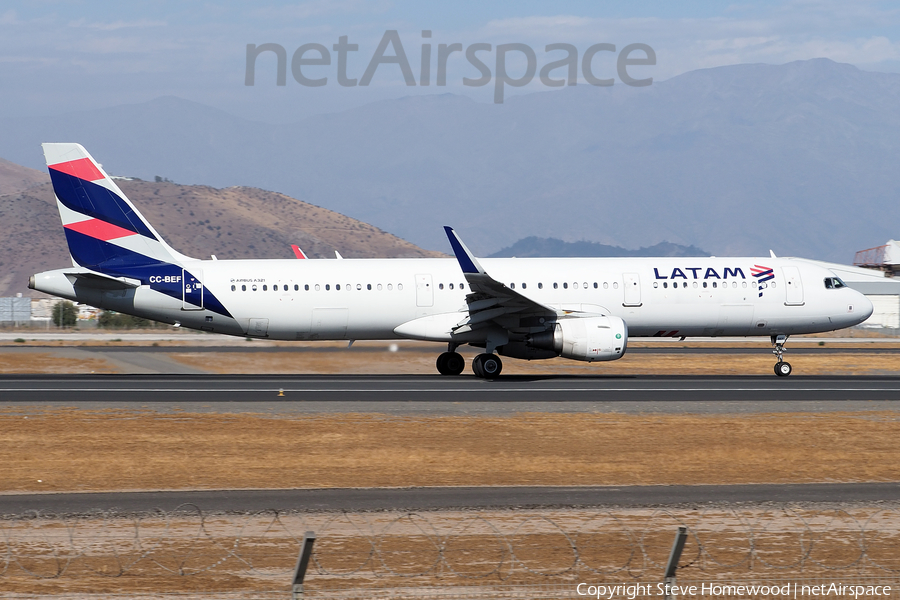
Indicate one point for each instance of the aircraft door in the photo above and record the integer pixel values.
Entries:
(793, 285)
(191, 289)
(632, 283)
(330, 323)
(424, 290)
(258, 328)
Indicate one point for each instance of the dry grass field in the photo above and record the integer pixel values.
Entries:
(80, 450)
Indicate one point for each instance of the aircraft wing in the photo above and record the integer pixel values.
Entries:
(494, 303)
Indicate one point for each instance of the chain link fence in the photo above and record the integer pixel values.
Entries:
(448, 554)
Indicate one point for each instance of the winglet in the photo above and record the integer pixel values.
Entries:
(467, 260)
(298, 252)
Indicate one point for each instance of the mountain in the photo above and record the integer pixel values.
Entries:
(236, 222)
(16, 178)
(536, 246)
(800, 158)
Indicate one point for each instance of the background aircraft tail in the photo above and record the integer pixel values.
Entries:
(104, 230)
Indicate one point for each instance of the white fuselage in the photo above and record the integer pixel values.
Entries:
(370, 298)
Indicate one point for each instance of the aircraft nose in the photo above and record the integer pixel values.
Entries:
(861, 308)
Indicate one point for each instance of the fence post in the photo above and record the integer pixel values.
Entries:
(306, 547)
(674, 557)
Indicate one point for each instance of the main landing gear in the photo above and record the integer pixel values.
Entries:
(485, 365)
(451, 363)
(782, 369)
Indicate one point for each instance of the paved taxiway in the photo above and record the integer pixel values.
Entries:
(439, 498)
(435, 395)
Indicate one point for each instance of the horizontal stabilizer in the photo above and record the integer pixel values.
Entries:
(101, 282)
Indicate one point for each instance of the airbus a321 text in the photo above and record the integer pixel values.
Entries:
(526, 308)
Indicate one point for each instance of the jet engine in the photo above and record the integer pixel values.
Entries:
(587, 338)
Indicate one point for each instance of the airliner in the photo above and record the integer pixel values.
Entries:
(524, 308)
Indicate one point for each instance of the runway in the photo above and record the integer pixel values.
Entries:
(434, 394)
(448, 498)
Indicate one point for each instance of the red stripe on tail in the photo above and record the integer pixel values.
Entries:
(100, 230)
(83, 168)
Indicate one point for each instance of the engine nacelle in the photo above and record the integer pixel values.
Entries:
(588, 338)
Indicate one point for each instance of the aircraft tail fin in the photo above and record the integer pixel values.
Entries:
(104, 230)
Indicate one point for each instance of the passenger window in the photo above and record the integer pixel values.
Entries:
(400, 286)
(745, 284)
(695, 284)
(390, 286)
(715, 284)
(297, 287)
(254, 287)
(337, 287)
(523, 286)
(243, 288)
(584, 285)
(379, 287)
(451, 286)
(358, 286)
(615, 285)
(512, 286)
(317, 287)
(540, 285)
(368, 286)
(265, 288)
(327, 287)
(656, 284)
(704, 284)
(233, 288)
(306, 287)
(575, 286)
(462, 287)
(666, 285)
(440, 286)
(595, 285)
(674, 284)
(555, 285)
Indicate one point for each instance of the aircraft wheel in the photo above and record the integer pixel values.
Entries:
(783, 369)
(456, 364)
(477, 367)
(450, 363)
(489, 365)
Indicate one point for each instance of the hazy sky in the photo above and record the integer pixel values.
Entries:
(59, 56)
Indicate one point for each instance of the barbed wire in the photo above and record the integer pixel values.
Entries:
(500, 546)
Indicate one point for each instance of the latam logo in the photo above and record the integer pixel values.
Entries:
(762, 274)
(709, 273)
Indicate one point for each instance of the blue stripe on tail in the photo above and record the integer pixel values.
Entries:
(96, 201)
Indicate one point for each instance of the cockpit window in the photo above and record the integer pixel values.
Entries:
(834, 283)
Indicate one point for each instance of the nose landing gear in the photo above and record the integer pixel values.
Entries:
(782, 368)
